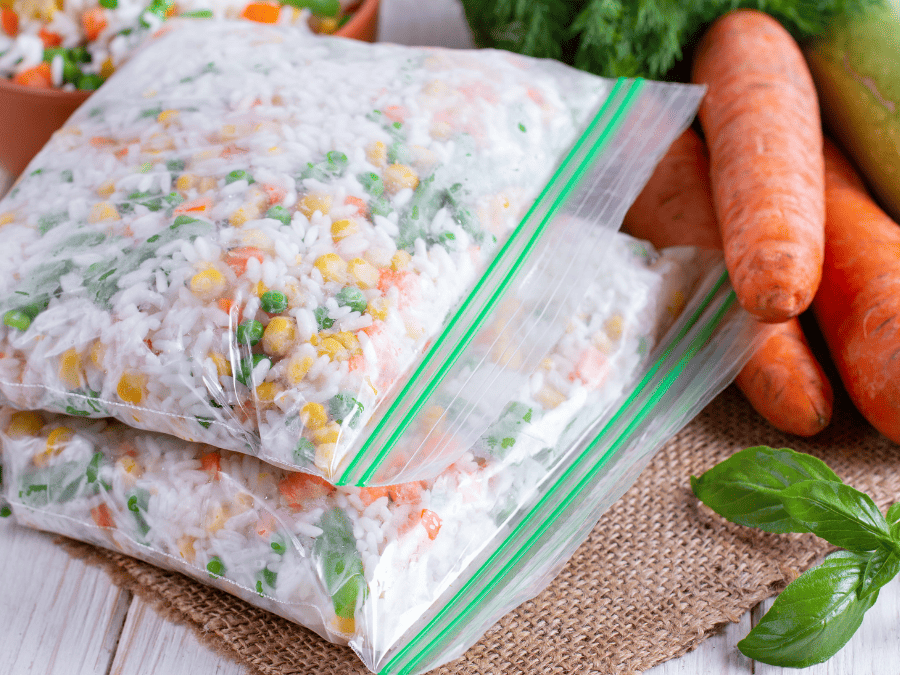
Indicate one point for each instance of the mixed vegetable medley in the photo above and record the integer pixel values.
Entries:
(74, 44)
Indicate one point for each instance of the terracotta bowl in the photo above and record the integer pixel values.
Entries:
(29, 116)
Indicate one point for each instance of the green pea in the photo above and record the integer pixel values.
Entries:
(371, 183)
(5, 511)
(89, 82)
(278, 212)
(238, 174)
(109, 4)
(16, 318)
(305, 452)
(352, 297)
(215, 567)
(245, 371)
(273, 302)
(250, 332)
(175, 165)
(279, 547)
(80, 55)
(323, 321)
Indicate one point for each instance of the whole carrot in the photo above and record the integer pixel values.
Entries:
(783, 381)
(760, 117)
(858, 302)
(675, 207)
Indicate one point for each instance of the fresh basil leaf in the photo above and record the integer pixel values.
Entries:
(838, 513)
(883, 565)
(746, 488)
(814, 616)
(893, 513)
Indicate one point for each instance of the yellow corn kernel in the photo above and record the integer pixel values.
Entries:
(313, 416)
(7, 218)
(24, 423)
(364, 274)
(378, 308)
(97, 353)
(344, 624)
(432, 416)
(400, 177)
(186, 181)
(228, 132)
(243, 502)
(129, 466)
(613, 326)
(279, 336)
(341, 229)
(435, 88)
(259, 289)
(149, 93)
(297, 368)
(313, 202)
(167, 117)
(103, 211)
(413, 329)
(274, 151)
(378, 257)
(70, 369)
(58, 439)
(325, 25)
(206, 184)
(216, 518)
(223, 367)
(332, 267)
(349, 340)
(249, 211)
(324, 458)
(106, 188)
(107, 68)
(208, 284)
(314, 340)
(186, 548)
(550, 398)
(400, 260)
(326, 434)
(333, 349)
(131, 387)
(376, 153)
(546, 363)
(265, 392)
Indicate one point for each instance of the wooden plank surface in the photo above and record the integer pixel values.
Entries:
(58, 615)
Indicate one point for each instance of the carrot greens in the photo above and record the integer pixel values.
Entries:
(618, 38)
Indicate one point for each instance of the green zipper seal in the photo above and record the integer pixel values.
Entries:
(612, 126)
(559, 486)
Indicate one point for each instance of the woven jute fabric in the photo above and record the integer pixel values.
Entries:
(659, 573)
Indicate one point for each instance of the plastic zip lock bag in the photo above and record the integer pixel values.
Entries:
(250, 237)
(411, 574)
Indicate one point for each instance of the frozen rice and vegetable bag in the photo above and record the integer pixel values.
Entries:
(309, 249)
(411, 574)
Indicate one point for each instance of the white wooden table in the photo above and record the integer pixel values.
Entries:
(61, 616)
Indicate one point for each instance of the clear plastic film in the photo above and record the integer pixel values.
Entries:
(303, 248)
(409, 575)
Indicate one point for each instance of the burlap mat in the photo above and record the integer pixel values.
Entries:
(658, 575)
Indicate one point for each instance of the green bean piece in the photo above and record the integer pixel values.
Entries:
(16, 318)
(238, 174)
